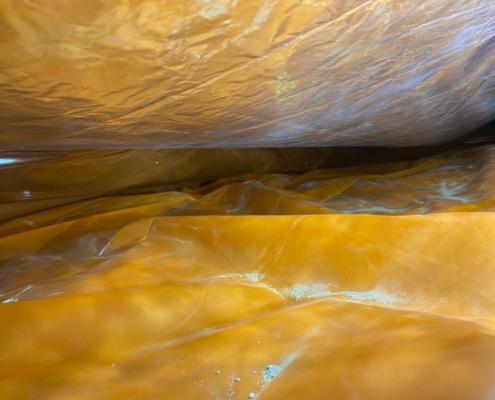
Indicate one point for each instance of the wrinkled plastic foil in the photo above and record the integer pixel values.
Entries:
(373, 282)
(137, 264)
(250, 73)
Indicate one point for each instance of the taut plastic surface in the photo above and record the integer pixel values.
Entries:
(250, 73)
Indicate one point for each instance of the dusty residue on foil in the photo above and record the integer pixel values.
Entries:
(308, 291)
(271, 372)
(321, 290)
(452, 191)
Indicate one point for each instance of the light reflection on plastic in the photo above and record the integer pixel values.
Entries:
(7, 161)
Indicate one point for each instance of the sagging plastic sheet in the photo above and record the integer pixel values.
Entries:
(374, 282)
(251, 73)
(33, 181)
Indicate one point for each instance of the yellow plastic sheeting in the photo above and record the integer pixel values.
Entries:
(265, 307)
(127, 297)
(250, 73)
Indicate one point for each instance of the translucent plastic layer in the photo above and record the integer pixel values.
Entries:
(122, 297)
(230, 73)
(289, 181)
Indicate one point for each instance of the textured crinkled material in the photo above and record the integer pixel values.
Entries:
(32, 181)
(372, 282)
(243, 73)
(137, 264)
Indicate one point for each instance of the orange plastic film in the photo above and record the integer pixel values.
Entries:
(272, 286)
(237, 182)
(268, 306)
(251, 73)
